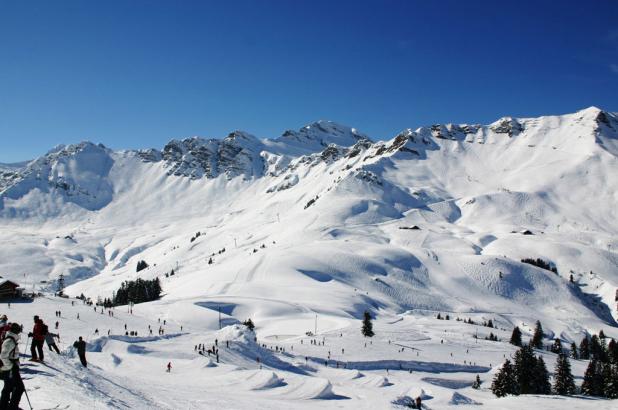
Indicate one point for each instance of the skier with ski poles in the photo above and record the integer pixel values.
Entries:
(38, 338)
(9, 372)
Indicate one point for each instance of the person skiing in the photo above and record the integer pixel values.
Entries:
(51, 343)
(38, 337)
(9, 372)
(418, 402)
(80, 345)
(4, 327)
(169, 367)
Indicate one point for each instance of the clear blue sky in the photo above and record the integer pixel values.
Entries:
(134, 74)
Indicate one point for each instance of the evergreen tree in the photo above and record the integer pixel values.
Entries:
(596, 350)
(477, 383)
(612, 350)
(249, 324)
(141, 265)
(60, 285)
(490, 323)
(537, 337)
(584, 349)
(593, 379)
(601, 335)
(137, 291)
(524, 367)
(367, 329)
(564, 384)
(516, 336)
(504, 382)
(610, 380)
(574, 354)
(540, 378)
(557, 346)
(439, 316)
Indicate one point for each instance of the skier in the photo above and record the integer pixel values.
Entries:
(4, 327)
(38, 337)
(80, 345)
(51, 343)
(418, 402)
(169, 367)
(9, 372)
(57, 324)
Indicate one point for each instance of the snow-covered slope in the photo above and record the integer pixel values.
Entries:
(326, 221)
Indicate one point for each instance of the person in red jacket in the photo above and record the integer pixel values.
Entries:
(38, 339)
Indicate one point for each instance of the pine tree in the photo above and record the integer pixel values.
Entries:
(61, 285)
(439, 317)
(557, 346)
(141, 265)
(563, 378)
(612, 350)
(596, 350)
(540, 378)
(574, 354)
(537, 337)
(504, 382)
(584, 349)
(367, 329)
(610, 380)
(490, 323)
(524, 367)
(477, 383)
(516, 336)
(249, 324)
(593, 379)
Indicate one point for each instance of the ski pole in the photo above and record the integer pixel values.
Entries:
(26, 345)
(25, 391)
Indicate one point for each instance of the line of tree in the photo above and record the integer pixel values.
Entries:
(529, 375)
(540, 263)
(600, 379)
(601, 376)
(137, 291)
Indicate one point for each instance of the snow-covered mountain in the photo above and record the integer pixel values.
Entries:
(330, 207)
(329, 221)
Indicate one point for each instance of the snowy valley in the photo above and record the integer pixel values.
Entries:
(303, 234)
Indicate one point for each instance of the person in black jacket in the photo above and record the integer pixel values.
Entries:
(80, 345)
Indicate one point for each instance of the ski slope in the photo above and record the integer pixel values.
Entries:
(321, 223)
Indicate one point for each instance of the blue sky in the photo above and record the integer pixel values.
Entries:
(135, 74)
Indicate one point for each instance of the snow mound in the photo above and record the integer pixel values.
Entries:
(459, 399)
(264, 379)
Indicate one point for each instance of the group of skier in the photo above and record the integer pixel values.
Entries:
(9, 356)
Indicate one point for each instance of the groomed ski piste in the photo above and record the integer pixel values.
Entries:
(306, 232)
